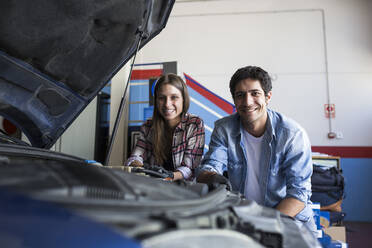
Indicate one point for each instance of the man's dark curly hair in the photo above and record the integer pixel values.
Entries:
(251, 72)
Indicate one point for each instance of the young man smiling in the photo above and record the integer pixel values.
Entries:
(266, 156)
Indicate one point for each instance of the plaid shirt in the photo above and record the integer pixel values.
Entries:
(187, 146)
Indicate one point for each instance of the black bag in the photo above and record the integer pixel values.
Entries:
(328, 185)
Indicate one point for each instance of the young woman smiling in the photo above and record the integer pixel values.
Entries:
(173, 138)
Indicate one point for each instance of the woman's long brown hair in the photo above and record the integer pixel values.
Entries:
(159, 126)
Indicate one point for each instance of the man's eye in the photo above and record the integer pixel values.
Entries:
(239, 95)
(256, 93)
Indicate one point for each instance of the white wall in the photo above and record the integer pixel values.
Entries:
(118, 84)
(79, 138)
(292, 41)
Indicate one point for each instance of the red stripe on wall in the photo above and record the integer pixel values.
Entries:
(220, 102)
(145, 74)
(345, 151)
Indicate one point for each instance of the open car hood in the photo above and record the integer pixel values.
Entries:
(56, 55)
(53, 192)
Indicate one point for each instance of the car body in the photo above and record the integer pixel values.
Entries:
(55, 56)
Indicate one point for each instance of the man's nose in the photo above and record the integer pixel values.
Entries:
(248, 99)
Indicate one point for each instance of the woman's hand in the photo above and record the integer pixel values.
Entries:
(177, 175)
(136, 163)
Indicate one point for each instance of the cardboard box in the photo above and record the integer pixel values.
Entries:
(336, 233)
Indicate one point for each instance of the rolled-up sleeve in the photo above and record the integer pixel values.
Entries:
(186, 172)
(194, 149)
(143, 145)
(298, 167)
(216, 157)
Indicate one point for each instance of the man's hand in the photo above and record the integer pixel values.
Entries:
(213, 180)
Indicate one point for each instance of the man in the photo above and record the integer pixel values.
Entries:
(266, 156)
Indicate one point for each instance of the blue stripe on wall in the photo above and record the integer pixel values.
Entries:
(135, 124)
(139, 93)
(208, 117)
(358, 202)
(136, 111)
(194, 94)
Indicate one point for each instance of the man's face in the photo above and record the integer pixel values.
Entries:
(251, 103)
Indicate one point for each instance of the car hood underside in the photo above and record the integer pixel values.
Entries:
(55, 56)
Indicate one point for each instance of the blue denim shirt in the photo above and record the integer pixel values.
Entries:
(285, 161)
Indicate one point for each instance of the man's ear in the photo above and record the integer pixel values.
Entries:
(268, 97)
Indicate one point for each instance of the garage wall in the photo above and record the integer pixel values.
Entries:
(79, 138)
(317, 52)
(210, 40)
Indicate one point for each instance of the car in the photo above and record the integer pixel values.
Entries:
(55, 56)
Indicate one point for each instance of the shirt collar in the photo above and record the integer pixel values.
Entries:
(183, 122)
(269, 131)
(238, 129)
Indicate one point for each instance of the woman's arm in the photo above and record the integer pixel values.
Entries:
(177, 175)
(143, 145)
(193, 151)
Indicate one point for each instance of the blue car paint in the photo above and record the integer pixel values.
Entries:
(28, 223)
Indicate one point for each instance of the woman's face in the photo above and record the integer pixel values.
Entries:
(170, 104)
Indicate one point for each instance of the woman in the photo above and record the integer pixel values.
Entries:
(173, 138)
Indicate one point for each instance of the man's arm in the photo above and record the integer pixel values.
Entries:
(298, 171)
(215, 160)
(290, 206)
